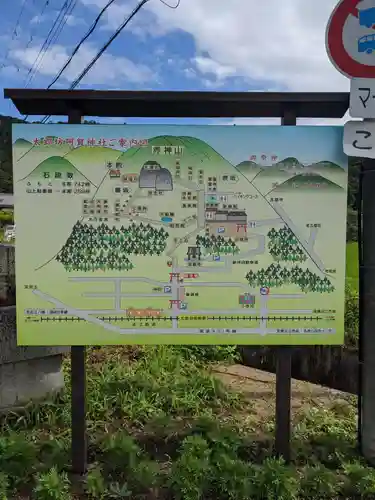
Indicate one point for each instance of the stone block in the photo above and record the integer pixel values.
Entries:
(9, 352)
(26, 373)
(33, 379)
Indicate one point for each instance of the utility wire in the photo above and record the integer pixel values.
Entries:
(108, 43)
(49, 34)
(60, 27)
(31, 37)
(70, 8)
(14, 33)
(171, 6)
(52, 36)
(104, 47)
(78, 46)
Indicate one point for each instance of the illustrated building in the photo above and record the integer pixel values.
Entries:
(154, 176)
(194, 253)
(246, 299)
(231, 223)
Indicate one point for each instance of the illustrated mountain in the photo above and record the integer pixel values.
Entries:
(83, 154)
(248, 167)
(307, 182)
(327, 165)
(196, 150)
(53, 166)
(22, 143)
(289, 163)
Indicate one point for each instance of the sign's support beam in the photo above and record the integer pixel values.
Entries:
(78, 386)
(284, 368)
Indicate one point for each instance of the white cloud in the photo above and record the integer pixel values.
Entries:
(142, 24)
(190, 73)
(74, 21)
(70, 20)
(279, 42)
(37, 19)
(107, 70)
(208, 66)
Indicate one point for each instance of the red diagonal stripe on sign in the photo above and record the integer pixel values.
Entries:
(353, 11)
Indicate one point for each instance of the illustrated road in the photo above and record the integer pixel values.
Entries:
(86, 315)
(174, 312)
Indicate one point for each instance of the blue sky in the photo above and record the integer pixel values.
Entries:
(201, 45)
(307, 143)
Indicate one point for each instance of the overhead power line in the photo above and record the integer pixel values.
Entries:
(171, 6)
(104, 47)
(42, 48)
(52, 37)
(108, 43)
(14, 33)
(40, 17)
(82, 41)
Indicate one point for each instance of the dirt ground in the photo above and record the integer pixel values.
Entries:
(260, 387)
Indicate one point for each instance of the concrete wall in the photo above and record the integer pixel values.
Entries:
(335, 367)
(26, 373)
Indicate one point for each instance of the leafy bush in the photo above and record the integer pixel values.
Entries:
(96, 484)
(17, 454)
(319, 482)
(52, 485)
(4, 484)
(191, 473)
(351, 317)
(360, 480)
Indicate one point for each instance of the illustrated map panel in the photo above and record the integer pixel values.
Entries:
(179, 234)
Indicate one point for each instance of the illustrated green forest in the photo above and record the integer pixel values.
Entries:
(283, 245)
(276, 276)
(90, 248)
(217, 245)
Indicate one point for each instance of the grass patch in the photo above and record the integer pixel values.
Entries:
(161, 426)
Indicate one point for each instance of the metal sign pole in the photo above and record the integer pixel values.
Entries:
(359, 141)
(78, 387)
(345, 49)
(367, 298)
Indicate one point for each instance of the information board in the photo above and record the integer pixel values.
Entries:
(179, 234)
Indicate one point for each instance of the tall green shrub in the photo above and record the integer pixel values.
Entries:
(351, 317)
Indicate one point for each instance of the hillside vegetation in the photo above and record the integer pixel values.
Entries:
(162, 425)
